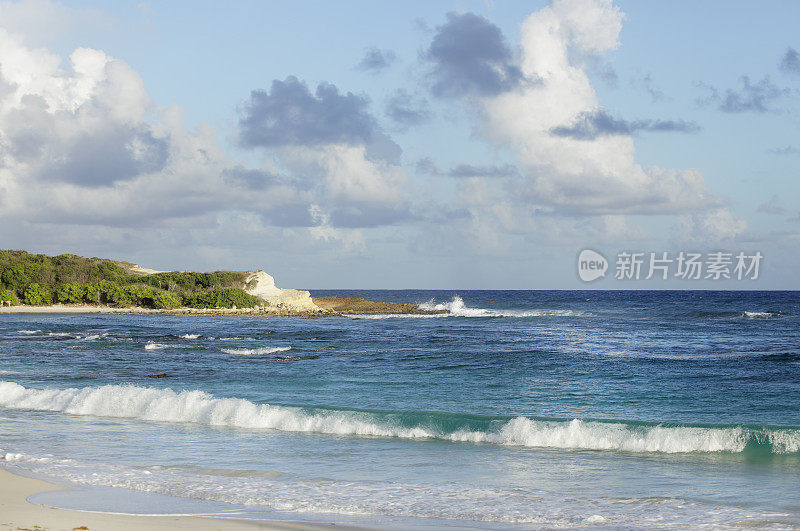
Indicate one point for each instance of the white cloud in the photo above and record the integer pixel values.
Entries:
(43, 21)
(597, 176)
(345, 172)
(351, 240)
(712, 229)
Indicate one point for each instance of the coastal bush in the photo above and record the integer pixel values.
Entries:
(165, 300)
(189, 282)
(221, 298)
(67, 278)
(91, 293)
(36, 295)
(9, 295)
(71, 293)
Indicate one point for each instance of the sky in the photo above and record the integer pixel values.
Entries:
(430, 145)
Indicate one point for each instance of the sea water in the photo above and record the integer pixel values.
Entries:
(517, 409)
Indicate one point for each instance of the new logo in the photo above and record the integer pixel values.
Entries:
(591, 265)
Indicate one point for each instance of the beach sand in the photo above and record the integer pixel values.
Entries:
(17, 513)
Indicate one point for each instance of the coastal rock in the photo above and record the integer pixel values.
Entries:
(261, 285)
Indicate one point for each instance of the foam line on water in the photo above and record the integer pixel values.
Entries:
(166, 405)
(259, 351)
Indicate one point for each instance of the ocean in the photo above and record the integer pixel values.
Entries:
(520, 409)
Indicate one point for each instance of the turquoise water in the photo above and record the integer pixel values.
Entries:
(521, 409)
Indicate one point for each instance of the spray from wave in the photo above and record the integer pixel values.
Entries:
(166, 405)
(457, 308)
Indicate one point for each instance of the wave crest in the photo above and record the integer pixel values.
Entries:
(457, 308)
(166, 405)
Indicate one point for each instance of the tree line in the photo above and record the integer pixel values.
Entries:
(38, 280)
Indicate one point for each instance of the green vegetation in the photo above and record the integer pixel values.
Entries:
(37, 279)
(10, 296)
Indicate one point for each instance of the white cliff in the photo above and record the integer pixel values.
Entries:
(261, 285)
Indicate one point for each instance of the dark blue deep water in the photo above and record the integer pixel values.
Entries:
(517, 409)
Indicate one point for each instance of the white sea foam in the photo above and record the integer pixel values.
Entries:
(29, 332)
(398, 316)
(165, 405)
(190, 336)
(758, 315)
(457, 308)
(259, 351)
(92, 337)
(151, 345)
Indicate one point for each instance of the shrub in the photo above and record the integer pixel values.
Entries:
(37, 295)
(9, 295)
(165, 300)
(91, 293)
(221, 298)
(71, 293)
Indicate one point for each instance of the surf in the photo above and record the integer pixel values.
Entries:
(199, 407)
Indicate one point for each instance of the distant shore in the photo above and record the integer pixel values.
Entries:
(17, 513)
(328, 307)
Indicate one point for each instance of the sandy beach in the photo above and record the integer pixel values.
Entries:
(95, 309)
(17, 513)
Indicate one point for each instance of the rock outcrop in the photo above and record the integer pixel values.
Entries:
(261, 285)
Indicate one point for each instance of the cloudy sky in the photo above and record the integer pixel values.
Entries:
(450, 144)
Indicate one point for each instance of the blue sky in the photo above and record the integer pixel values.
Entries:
(414, 145)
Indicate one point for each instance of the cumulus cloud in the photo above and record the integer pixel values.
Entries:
(407, 110)
(82, 145)
(40, 22)
(376, 60)
(709, 229)
(589, 126)
(593, 173)
(344, 173)
(351, 240)
(289, 114)
(749, 97)
(329, 142)
(790, 62)
(470, 57)
(85, 144)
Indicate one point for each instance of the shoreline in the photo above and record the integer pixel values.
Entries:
(328, 307)
(135, 310)
(16, 512)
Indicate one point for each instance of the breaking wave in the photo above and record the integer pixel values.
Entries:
(760, 315)
(457, 308)
(198, 407)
